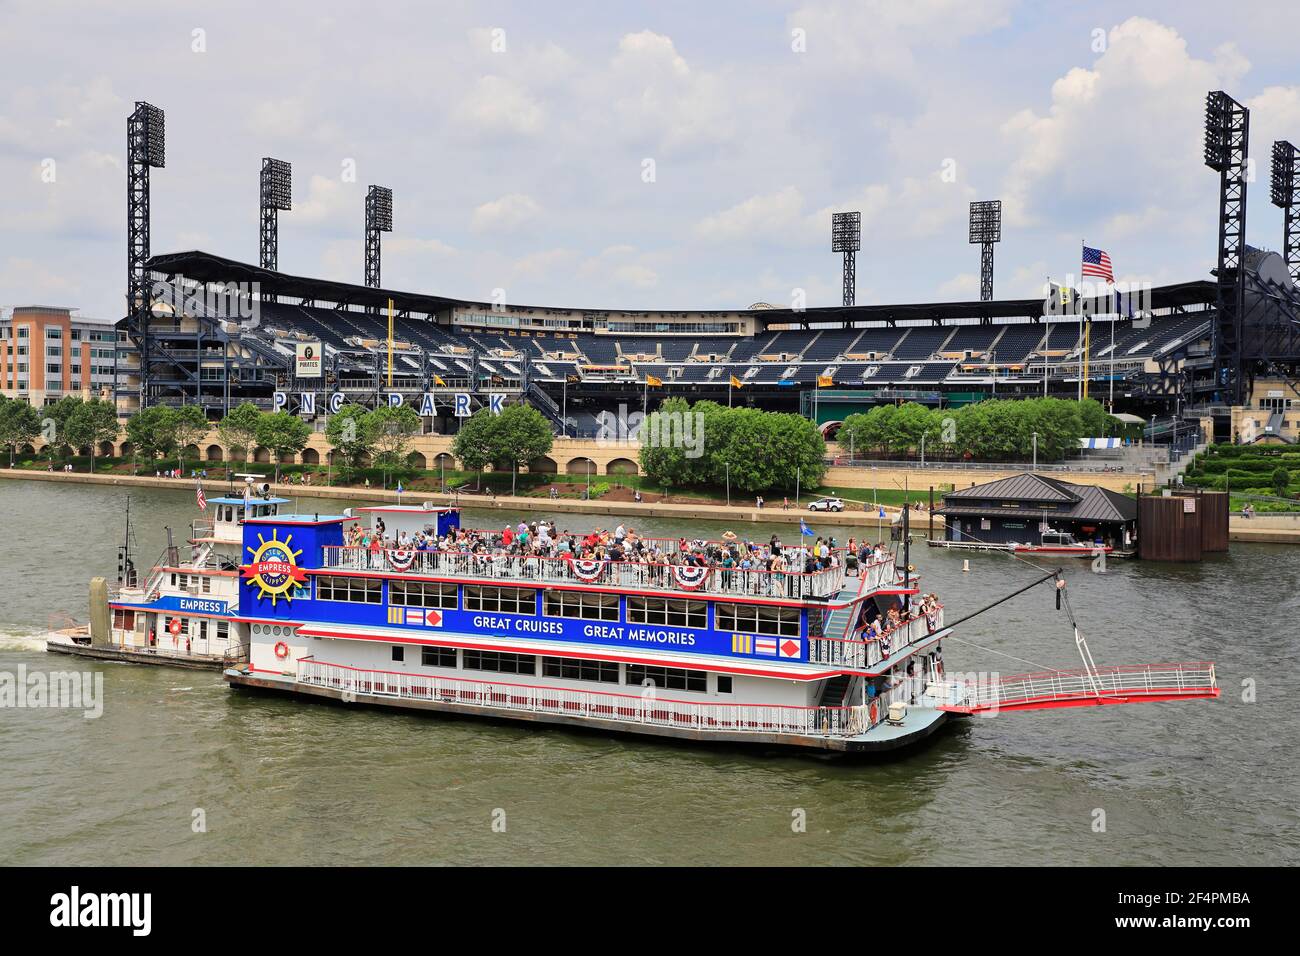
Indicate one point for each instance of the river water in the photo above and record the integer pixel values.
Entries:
(278, 781)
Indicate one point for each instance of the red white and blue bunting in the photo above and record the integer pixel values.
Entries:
(400, 560)
(587, 569)
(690, 577)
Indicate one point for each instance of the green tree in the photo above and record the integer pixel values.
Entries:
(282, 433)
(1281, 479)
(54, 424)
(19, 424)
(350, 432)
(238, 429)
(473, 443)
(664, 455)
(188, 427)
(393, 429)
(152, 431)
(89, 424)
(519, 435)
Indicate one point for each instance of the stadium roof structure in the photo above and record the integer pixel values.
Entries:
(206, 267)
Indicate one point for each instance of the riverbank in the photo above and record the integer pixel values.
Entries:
(1262, 529)
(659, 509)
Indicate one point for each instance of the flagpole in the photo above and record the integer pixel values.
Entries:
(390, 343)
(1049, 333)
(1112, 357)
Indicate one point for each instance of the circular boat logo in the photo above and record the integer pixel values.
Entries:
(274, 568)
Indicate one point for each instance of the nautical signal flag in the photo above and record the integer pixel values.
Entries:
(1097, 263)
(825, 381)
(654, 381)
(736, 383)
(742, 643)
(437, 380)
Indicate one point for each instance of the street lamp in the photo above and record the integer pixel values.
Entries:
(1035, 451)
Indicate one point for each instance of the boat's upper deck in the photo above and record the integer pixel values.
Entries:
(634, 575)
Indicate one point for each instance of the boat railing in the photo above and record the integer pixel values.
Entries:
(1117, 683)
(631, 575)
(645, 709)
(867, 650)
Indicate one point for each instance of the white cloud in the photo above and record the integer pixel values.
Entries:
(766, 217)
(507, 214)
(496, 106)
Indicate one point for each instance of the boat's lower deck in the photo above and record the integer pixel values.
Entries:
(860, 729)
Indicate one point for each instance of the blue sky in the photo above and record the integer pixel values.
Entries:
(515, 136)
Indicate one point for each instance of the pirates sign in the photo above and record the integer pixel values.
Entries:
(274, 569)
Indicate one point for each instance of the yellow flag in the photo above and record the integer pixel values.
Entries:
(437, 380)
(736, 383)
(654, 381)
(825, 381)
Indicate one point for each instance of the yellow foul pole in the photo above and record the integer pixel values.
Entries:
(1087, 338)
(390, 343)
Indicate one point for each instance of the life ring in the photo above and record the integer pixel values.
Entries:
(281, 650)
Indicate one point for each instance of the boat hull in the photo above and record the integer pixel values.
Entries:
(920, 724)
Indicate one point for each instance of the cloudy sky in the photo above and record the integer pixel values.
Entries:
(644, 155)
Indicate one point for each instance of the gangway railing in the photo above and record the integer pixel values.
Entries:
(864, 650)
(1120, 684)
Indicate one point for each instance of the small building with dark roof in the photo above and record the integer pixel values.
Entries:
(1019, 509)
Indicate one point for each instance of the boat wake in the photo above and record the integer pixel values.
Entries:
(18, 640)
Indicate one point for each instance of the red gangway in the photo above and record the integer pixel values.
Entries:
(1121, 684)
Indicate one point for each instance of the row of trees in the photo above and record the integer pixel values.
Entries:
(66, 425)
(707, 444)
(994, 430)
(518, 435)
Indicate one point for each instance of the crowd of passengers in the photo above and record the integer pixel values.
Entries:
(882, 626)
(774, 561)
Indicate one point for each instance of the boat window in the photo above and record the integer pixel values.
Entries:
(724, 683)
(669, 678)
(399, 653)
(758, 619)
(580, 604)
(423, 594)
(667, 611)
(501, 600)
(500, 662)
(438, 656)
(356, 590)
(606, 672)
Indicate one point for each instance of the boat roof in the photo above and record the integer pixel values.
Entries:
(251, 501)
(405, 509)
(298, 519)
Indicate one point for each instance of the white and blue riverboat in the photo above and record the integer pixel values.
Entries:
(660, 648)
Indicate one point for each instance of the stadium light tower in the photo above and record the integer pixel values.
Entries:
(1285, 194)
(1227, 144)
(986, 229)
(379, 218)
(846, 237)
(146, 148)
(276, 192)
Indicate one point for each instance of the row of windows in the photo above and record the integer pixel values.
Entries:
(670, 612)
(500, 600)
(421, 594)
(579, 604)
(758, 619)
(602, 672)
(357, 590)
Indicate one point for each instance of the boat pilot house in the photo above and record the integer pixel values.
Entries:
(1039, 512)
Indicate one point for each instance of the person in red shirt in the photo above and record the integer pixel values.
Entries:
(508, 536)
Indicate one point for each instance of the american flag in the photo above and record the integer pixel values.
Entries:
(1097, 263)
(200, 497)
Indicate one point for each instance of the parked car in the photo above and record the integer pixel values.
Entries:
(826, 504)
